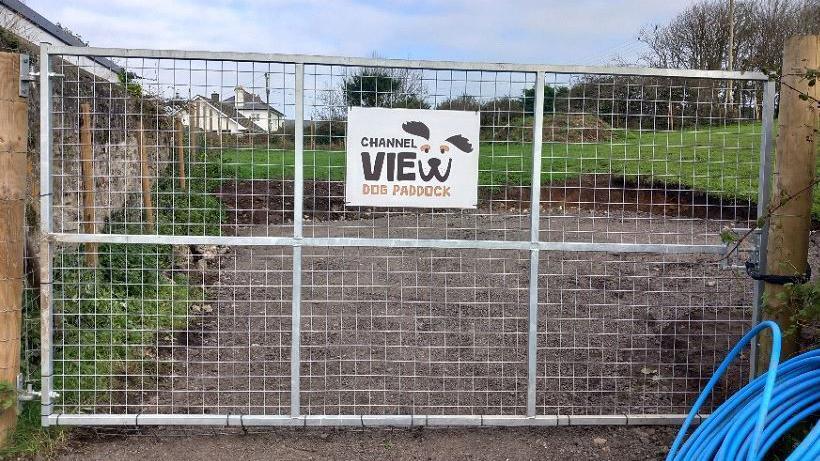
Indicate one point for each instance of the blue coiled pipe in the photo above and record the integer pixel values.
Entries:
(753, 419)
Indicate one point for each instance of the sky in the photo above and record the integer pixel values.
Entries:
(584, 32)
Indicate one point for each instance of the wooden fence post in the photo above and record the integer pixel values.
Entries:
(87, 164)
(791, 199)
(180, 145)
(13, 145)
(145, 172)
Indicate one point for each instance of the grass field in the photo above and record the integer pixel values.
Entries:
(723, 161)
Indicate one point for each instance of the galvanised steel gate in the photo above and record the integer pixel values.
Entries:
(200, 265)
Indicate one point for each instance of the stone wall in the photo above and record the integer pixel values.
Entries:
(116, 116)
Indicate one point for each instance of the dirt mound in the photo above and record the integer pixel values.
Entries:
(574, 128)
(614, 194)
(558, 128)
(271, 202)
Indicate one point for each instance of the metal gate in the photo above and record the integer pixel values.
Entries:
(200, 266)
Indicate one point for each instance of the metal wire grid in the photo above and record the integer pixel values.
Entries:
(198, 335)
(648, 160)
(396, 331)
(635, 333)
(220, 145)
(506, 146)
(414, 331)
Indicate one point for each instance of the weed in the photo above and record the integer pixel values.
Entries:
(30, 438)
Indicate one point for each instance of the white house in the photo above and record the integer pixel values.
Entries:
(242, 112)
(252, 107)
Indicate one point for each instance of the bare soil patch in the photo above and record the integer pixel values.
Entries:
(271, 202)
(554, 443)
(423, 331)
(398, 331)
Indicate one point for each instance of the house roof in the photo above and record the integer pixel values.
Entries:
(229, 111)
(252, 102)
(55, 30)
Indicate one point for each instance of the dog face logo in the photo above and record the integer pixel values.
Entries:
(416, 158)
(423, 131)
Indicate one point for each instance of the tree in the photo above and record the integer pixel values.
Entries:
(554, 100)
(378, 87)
(771, 23)
(698, 37)
(463, 102)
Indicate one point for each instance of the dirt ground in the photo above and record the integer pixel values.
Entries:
(559, 444)
(421, 331)
(444, 331)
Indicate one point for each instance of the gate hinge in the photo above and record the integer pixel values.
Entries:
(26, 393)
(28, 75)
(25, 75)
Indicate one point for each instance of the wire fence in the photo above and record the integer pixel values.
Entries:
(205, 262)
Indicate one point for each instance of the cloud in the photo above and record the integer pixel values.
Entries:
(515, 31)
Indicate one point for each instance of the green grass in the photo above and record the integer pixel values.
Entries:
(723, 161)
(109, 318)
(30, 439)
(110, 315)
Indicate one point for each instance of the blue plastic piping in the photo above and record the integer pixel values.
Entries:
(786, 395)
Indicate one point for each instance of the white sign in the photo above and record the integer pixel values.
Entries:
(412, 158)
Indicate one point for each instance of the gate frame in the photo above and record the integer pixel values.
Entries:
(534, 245)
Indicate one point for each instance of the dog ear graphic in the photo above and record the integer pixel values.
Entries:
(461, 143)
(417, 128)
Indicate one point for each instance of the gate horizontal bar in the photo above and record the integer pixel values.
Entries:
(403, 63)
(388, 243)
(233, 420)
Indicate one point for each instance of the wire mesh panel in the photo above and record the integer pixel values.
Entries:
(179, 147)
(642, 160)
(155, 330)
(648, 159)
(414, 332)
(636, 333)
(505, 164)
(205, 260)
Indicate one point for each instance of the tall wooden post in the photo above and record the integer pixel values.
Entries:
(791, 199)
(145, 176)
(180, 146)
(87, 163)
(13, 144)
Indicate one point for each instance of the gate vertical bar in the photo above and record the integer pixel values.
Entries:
(46, 308)
(535, 225)
(298, 193)
(763, 193)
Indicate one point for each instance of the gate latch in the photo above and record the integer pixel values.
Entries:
(731, 257)
(752, 264)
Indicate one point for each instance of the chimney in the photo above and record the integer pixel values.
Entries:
(215, 97)
(239, 99)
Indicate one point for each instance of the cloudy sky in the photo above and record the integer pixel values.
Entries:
(536, 31)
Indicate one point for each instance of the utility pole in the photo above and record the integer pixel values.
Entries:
(731, 64)
(267, 99)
